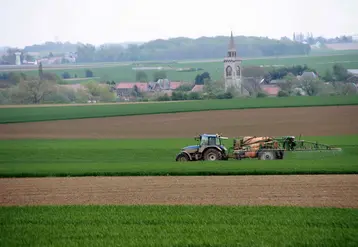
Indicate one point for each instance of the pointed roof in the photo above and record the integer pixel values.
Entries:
(232, 43)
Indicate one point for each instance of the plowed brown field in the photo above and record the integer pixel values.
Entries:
(281, 121)
(302, 190)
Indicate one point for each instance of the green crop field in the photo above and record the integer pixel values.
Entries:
(22, 158)
(31, 114)
(157, 226)
(125, 73)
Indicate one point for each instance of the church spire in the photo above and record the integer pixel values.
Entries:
(232, 43)
(232, 49)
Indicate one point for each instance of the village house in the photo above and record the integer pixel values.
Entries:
(308, 75)
(125, 89)
(270, 90)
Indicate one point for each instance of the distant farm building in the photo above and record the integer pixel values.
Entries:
(125, 89)
(308, 75)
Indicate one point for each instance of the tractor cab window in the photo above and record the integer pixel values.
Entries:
(204, 141)
(214, 141)
(218, 141)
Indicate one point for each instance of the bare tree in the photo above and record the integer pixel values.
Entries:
(311, 87)
(251, 85)
(33, 91)
(342, 88)
(288, 84)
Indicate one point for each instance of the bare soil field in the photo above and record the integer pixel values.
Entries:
(314, 121)
(310, 191)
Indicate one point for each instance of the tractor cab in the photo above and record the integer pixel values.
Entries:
(209, 140)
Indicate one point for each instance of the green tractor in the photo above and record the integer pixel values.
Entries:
(210, 147)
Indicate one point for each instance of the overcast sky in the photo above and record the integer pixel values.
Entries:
(25, 22)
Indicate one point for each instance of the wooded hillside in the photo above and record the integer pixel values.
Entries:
(180, 49)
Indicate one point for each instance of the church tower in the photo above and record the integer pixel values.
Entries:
(232, 68)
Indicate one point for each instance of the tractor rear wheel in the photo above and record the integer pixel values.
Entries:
(212, 155)
(266, 155)
(182, 157)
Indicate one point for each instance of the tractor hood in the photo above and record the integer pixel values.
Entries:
(191, 147)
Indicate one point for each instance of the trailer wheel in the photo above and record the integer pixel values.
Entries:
(212, 155)
(182, 157)
(237, 156)
(266, 155)
(279, 155)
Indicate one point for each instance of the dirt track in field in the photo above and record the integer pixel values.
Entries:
(314, 121)
(302, 190)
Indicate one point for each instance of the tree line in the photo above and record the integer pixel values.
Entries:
(186, 48)
(176, 49)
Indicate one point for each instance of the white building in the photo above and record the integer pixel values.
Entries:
(232, 68)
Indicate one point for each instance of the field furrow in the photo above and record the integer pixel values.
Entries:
(311, 191)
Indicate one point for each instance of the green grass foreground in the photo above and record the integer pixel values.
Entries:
(182, 226)
(31, 114)
(37, 158)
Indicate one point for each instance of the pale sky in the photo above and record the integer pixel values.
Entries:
(26, 22)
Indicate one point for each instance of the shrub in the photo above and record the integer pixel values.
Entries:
(184, 88)
(179, 96)
(141, 76)
(193, 96)
(282, 93)
(261, 95)
(89, 73)
(227, 95)
(66, 75)
(165, 97)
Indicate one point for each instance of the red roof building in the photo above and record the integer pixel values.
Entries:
(271, 90)
(175, 84)
(142, 86)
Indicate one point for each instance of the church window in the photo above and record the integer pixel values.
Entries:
(238, 70)
(228, 71)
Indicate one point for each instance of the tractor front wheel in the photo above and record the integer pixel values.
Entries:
(182, 157)
(212, 155)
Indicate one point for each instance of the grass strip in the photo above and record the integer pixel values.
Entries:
(132, 157)
(133, 226)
